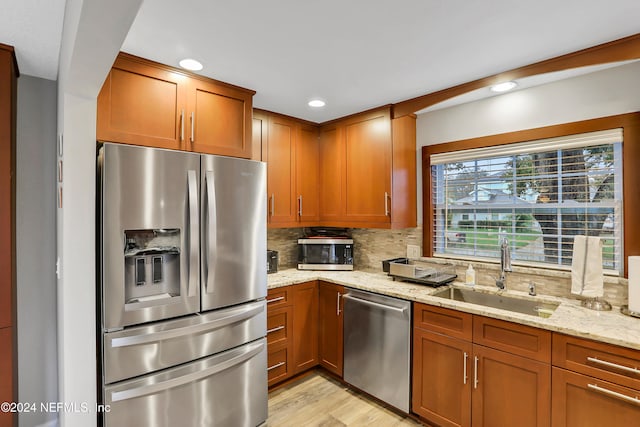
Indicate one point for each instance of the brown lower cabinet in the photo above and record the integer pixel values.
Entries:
(509, 390)
(468, 370)
(8, 344)
(6, 374)
(457, 382)
(330, 330)
(583, 401)
(304, 329)
(594, 383)
(279, 335)
(441, 384)
(292, 330)
(305, 326)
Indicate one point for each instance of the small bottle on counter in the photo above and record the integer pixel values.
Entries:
(470, 278)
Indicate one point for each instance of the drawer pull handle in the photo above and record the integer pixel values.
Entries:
(269, 301)
(386, 204)
(475, 372)
(613, 365)
(277, 365)
(464, 368)
(612, 393)
(276, 329)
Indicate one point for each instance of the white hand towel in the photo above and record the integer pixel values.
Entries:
(634, 284)
(586, 267)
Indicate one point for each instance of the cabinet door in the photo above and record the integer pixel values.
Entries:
(331, 174)
(330, 331)
(6, 374)
(510, 390)
(278, 365)
(219, 119)
(368, 169)
(583, 401)
(279, 327)
(441, 379)
(259, 137)
(307, 174)
(305, 326)
(281, 157)
(142, 105)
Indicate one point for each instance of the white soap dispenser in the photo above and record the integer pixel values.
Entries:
(470, 276)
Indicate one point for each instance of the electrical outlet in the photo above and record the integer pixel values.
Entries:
(413, 251)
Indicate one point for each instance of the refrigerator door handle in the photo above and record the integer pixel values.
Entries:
(235, 316)
(250, 351)
(193, 233)
(210, 230)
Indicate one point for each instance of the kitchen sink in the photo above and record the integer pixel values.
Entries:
(503, 302)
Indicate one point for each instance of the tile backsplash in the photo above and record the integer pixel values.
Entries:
(285, 241)
(372, 246)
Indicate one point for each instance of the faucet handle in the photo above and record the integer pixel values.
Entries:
(532, 288)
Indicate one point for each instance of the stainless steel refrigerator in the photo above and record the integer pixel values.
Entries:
(182, 287)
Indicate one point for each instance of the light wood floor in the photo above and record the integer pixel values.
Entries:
(319, 400)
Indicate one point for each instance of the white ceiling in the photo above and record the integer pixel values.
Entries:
(354, 54)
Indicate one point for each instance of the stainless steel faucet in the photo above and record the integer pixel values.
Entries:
(505, 263)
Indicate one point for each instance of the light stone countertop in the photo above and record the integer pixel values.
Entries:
(570, 318)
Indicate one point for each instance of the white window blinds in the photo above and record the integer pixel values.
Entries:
(537, 194)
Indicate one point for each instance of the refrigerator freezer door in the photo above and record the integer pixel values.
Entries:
(227, 389)
(149, 211)
(234, 235)
(144, 349)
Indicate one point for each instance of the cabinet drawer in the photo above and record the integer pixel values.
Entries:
(277, 297)
(279, 326)
(604, 361)
(514, 338)
(455, 324)
(583, 401)
(278, 366)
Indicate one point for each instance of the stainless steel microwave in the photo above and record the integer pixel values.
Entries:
(325, 254)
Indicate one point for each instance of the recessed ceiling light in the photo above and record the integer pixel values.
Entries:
(317, 103)
(503, 87)
(191, 64)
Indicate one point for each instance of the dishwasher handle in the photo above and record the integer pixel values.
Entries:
(374, 304)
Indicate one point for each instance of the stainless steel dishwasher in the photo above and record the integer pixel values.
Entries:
(377, 342)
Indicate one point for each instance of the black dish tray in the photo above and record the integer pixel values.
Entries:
(385, 263)
(435, 279)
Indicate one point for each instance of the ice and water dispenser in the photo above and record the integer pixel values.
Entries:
(152, 264)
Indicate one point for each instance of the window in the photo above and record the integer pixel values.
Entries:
(536, 194)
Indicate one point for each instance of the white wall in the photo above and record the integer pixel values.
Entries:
(36, 246)
(600, 94)
(93, 33)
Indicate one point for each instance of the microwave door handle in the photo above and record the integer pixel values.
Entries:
(250, 351)
(211, 230)
(194, 244)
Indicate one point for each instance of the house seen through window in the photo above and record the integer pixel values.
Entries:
(536, 194)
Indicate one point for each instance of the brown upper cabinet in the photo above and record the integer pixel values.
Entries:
(368, 171)
(291, 149)
(357, 172)
(150, 104)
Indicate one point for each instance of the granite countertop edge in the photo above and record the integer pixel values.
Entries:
(569, 318)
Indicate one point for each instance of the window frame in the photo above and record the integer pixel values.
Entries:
(630, 124)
